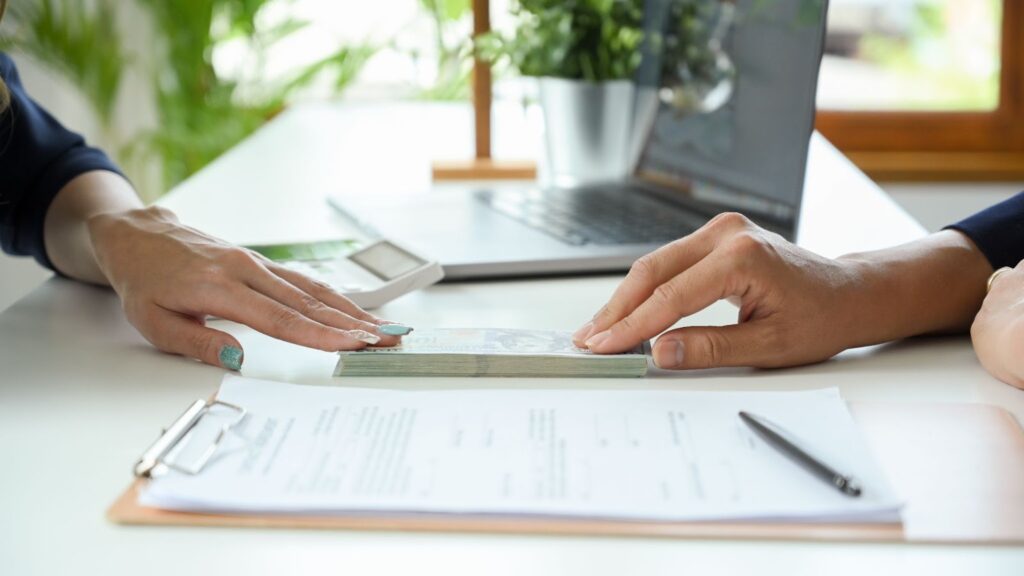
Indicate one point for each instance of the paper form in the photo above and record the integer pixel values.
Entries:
(657, 455)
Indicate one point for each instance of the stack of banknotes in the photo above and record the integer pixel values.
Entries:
(490, 352)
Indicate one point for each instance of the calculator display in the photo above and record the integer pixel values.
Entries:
(307, 251)
(386, 260)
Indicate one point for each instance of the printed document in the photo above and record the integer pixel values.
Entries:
(629, 454)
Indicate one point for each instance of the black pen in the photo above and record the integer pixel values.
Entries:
(776, 437)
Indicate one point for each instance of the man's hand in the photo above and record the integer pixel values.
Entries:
(998, 329)
(795, 307)
(793, 304)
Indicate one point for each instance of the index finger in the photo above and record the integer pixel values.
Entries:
(691, 291)
(644, 277)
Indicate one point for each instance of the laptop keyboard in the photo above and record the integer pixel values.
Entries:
(596, 215)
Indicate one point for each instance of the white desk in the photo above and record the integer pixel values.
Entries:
(81, 393)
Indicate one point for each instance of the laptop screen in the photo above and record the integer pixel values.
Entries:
(737, 138)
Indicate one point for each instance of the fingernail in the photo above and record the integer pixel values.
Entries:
(231, 357)
(598, 339)
(669, 354)
(583, 332)
(394, 329)
(362, 336)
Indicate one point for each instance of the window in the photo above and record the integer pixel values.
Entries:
(926, 89)
(911, 55)
(909, 89)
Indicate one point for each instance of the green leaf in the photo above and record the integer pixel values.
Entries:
(283, 30)
(346, 63)
(447, 10)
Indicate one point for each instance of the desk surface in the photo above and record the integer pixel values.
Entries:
(81, 393)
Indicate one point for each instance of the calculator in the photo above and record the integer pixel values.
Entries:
(368, 273)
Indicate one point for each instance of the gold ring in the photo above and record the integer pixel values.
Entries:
(992, 278)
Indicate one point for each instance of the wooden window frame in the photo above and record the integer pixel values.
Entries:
(944, 145)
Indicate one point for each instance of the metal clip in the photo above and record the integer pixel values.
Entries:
(155, 455)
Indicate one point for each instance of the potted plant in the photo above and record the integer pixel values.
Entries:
(586, 55)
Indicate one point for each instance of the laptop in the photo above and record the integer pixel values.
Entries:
(749, 155)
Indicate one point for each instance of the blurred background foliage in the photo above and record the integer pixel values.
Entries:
(926, 49)
(453, 49)
(202, 111)
(919, 55)
(209, 72)
(80, 42)
(592, 40)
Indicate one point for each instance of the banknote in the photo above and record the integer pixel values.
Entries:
(490, 352)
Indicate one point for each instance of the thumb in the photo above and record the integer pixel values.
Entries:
(180, 334)
(746, 344)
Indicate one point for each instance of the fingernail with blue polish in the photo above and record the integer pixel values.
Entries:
(231, 357)
(394, 329)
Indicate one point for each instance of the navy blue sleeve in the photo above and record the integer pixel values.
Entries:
(998, 231)
(38, 157)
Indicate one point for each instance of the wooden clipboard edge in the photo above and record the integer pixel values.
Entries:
(126, 511)
(938, 428)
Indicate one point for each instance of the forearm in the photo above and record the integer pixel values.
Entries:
(934, 285)
(65, 229)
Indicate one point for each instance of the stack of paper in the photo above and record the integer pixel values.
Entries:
(652, 455)
(489, 352)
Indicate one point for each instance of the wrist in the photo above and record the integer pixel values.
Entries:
(67, 226)
(934, 285)
(129, 216)
(868, 300)
(106, 227)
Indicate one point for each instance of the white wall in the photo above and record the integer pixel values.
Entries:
(940, 204)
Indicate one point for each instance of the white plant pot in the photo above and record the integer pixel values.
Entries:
(587, 129)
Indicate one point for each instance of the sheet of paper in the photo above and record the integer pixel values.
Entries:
(659, 455)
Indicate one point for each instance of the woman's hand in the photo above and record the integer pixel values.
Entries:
(998, 329)
(795, 307)
(171, 277)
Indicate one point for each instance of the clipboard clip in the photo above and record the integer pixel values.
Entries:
(157, 453)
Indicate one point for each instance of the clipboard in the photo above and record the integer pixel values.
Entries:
(960, 468)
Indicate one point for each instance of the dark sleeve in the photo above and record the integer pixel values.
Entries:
(38, 157)
(998, 232)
